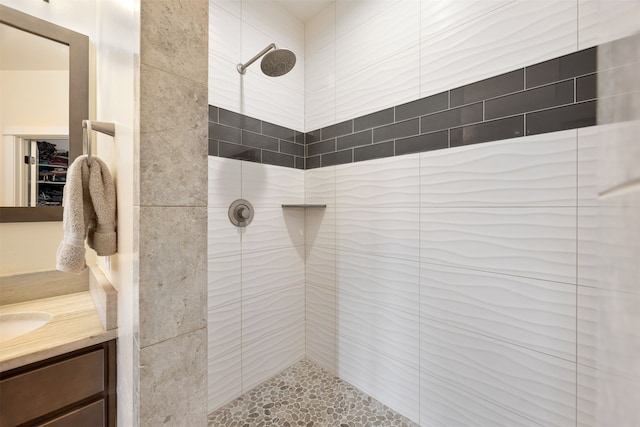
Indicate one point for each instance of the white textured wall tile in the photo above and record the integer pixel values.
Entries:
(352, 13)
(618, 151)
(224, 181)
(320, 69)
(532, 384)
(266, 314)
(588, 247)
(225, 380)
(273, 20)
(586, 396)
(588, 299)
(388, 182)
(225, 84)
(223, 238)
(271, 186)
(321, 266)
(587, 167)
(531, 171)
(321, 306)
(273, 228)
(232, 6)
(442, 404)
(268, 355)
(382, 36)
(266, 99)
(320, 108)
(223, 330)
(603, 21)
(320, 30)
(390, 282)
(379, 231)
(521, 33)
(320, 227)
(321, 346)
(225, 33)
(394, 384)
(531, 313)
(224, 281)
(532, 242)
(320, 185)
(390, 82)
(264, 272)
(438, 16)
(385, 330)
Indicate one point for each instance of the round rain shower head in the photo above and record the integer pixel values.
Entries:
(278, 62)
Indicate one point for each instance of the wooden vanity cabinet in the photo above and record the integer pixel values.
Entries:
(76, 389)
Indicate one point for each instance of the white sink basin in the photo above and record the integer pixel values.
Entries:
(17, 324)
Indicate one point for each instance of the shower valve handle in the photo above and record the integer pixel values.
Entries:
(241, 213)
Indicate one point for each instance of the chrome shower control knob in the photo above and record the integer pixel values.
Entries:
(241, 213)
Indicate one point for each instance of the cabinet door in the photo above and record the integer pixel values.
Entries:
(36, 393)
(91, 415)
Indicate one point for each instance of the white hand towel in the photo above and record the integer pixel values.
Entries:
(89, 212)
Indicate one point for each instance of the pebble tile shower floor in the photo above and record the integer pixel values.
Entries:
(306, 395)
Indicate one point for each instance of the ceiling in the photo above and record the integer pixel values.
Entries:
(304, 10)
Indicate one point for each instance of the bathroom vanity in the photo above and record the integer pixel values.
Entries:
(73, 389)
(58, 357)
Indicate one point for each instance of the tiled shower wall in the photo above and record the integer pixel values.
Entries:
(444, 283)
(256, 277)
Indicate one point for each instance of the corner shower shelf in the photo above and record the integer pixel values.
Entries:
(304, 206)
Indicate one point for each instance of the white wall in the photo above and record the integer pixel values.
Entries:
(238, 30)
(256, 277)
(362, 56)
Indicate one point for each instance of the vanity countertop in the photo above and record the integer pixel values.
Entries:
(74, 324)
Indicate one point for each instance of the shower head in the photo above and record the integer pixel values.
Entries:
(276, 62)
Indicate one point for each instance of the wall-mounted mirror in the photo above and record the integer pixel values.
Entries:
(44, 96)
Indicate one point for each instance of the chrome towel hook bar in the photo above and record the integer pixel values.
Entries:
(108, 128)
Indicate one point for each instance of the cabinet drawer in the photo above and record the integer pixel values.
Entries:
(36, 393)
(91, 415)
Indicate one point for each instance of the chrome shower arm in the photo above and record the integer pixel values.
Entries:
(242, 68)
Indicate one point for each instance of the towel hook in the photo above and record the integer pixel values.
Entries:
(107, 128)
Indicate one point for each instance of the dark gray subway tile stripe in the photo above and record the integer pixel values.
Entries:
(239, 152)
(312, 162)
(278, 131)
(511, 127)
(213, 147)
(321, 147)
(239, 121)
(277, 159)
(552, 95)
(259, 141)
(336, 158)
(225, 133)
(451, 118)
(488, 88)
(375, 151)
(423, 106)
(562, 118)
(354, 140)
(311, 137)
(586, 88)
(338, 129)
(373, 120)
(291, 148)
(562, 68)
(397, 130)
(213, 114)
(424, 142)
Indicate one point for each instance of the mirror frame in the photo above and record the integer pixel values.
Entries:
(78, 98)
